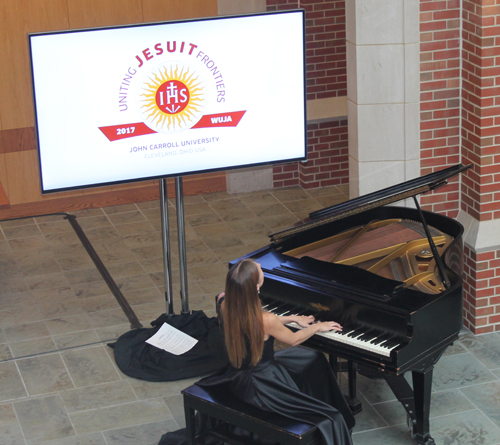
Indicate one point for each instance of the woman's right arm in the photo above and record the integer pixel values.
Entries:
(275, 328)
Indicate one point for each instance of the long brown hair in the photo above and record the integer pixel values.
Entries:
(242, 314)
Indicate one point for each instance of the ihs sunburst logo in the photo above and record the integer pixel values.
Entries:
(172, 97)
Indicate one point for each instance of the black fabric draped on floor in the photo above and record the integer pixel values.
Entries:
(295, 382)
(140, 360)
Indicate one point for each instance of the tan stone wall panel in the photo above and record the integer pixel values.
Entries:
(22, 177)
(17, 19)
(18, 139)
(97, 13)
(118, 187)
(3, 174)
(158, 10)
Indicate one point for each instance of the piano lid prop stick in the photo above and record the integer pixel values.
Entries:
(439, 263)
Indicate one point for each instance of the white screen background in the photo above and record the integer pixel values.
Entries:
(77, 78)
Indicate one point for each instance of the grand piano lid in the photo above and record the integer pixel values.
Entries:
(379, 198)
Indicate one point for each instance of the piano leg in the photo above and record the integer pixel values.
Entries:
(422, 386)
(416, 402)
(351, 367)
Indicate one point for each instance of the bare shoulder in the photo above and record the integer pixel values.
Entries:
(269, 318)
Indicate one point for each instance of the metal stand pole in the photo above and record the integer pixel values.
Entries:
(167, 269)
(182, 243)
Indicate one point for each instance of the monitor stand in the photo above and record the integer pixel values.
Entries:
(167, 260)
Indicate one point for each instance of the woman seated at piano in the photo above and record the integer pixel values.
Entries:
(295, 382)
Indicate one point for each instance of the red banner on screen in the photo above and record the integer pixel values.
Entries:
(230, 119)
(116, 132)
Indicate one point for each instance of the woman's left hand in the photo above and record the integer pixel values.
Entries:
(305, 321)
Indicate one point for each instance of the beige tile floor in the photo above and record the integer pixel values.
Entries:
(58, 380)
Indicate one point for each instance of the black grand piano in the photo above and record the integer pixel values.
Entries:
(390, 275)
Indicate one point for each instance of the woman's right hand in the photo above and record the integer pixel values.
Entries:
(325, 326)
(274, 327)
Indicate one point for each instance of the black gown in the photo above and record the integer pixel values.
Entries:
(296, 382)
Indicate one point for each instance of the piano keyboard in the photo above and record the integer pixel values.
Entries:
(367, 340)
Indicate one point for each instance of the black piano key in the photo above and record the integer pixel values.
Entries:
(385, 340)
(286, 308)
(356, 332)
(381, 338)
(281, 308)
(375, 340)
(270, 307)
(305, 311)
(374, 336)
(346, 329)
(360, 337)
(389, 343)
(300, 310)
(266, 300)
(367, 336)
(366, 339)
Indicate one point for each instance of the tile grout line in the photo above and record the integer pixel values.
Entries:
(56, 351)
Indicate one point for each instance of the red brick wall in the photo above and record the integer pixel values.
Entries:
(481, 108)
(326, 77)
(327, 162)
(482, 291)
(440, 98)
(328, 158)
(286, 175)
(325, 45)
(481, 147)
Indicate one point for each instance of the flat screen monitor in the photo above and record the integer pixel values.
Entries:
(156, 100)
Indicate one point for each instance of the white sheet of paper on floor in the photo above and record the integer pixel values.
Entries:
(172, 340)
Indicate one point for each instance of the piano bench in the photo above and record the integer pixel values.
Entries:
(228, 410)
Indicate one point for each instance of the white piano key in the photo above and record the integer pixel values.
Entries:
(342, 337)
(352, 341)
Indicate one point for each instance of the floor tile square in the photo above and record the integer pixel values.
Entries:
(82, 439)
(460, 370)
(43, 419)
(147, 434)
(11, 434)
(44, 374)
(26, 331)
(97, 396)
(470, 427)
(121, 416)
(64, 325)
(5, 352)
(32, 347)
(89, 366)
(487, 398)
